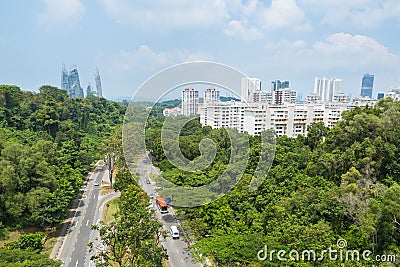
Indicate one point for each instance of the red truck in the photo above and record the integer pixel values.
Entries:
(161, 204)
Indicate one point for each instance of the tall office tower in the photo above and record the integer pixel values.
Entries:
(211, 95)
(97, 79)
(190, 101)
(367, 85)
(250, 86)
(277, 84)
(326, 88)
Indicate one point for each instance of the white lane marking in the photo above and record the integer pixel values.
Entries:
(94, 196)
(177, 251)
(76, 264)
(181, 260)
(87, 223)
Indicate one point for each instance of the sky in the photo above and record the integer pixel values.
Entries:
(130, 40)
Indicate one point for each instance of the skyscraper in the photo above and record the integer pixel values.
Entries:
(70, 82)
(98, 84)
(367, 85)
(190, 101)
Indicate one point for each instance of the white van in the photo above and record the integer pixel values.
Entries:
(174, 232)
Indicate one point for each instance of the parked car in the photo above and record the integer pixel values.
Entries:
(148, 181)
(151, 195)
(96, 184)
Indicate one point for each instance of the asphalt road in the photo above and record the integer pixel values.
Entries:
(74, 251)
(177, 249)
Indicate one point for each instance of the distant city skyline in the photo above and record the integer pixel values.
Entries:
(131, 40)
(70, 81)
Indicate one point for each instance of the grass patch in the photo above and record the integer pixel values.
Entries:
(106, 189)
(110, 208)
(12, 236)
(51, 233)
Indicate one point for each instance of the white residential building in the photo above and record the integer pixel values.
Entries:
(284, 96)
(395, 94)
(341, 98)
(362, 101)
(326, 88)
(252, 93)
(224, 114)
(211, 95)
(286, 119)
(250, 86)
(190, 101)
(313, 99)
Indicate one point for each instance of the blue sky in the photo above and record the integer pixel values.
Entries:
(130, 40)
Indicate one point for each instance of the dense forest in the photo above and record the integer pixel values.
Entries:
(48, 143)
(339, 183)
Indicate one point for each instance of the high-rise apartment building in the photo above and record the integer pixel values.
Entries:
(367, 85)
(71, 83)
(326, 88)
(64, 79)
(89, 90)
(250, 87)
(99, 89)
(281, 96)
(211, 95)
(190, 101)
(277, 85)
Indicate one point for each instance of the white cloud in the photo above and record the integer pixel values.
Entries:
(246, 19)
(66, 12)
(145, 59)
(152, 14)
(253, 20)
(354, 49)
(359, 13)
(339, 52)
(239, 28)
(283, 14)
